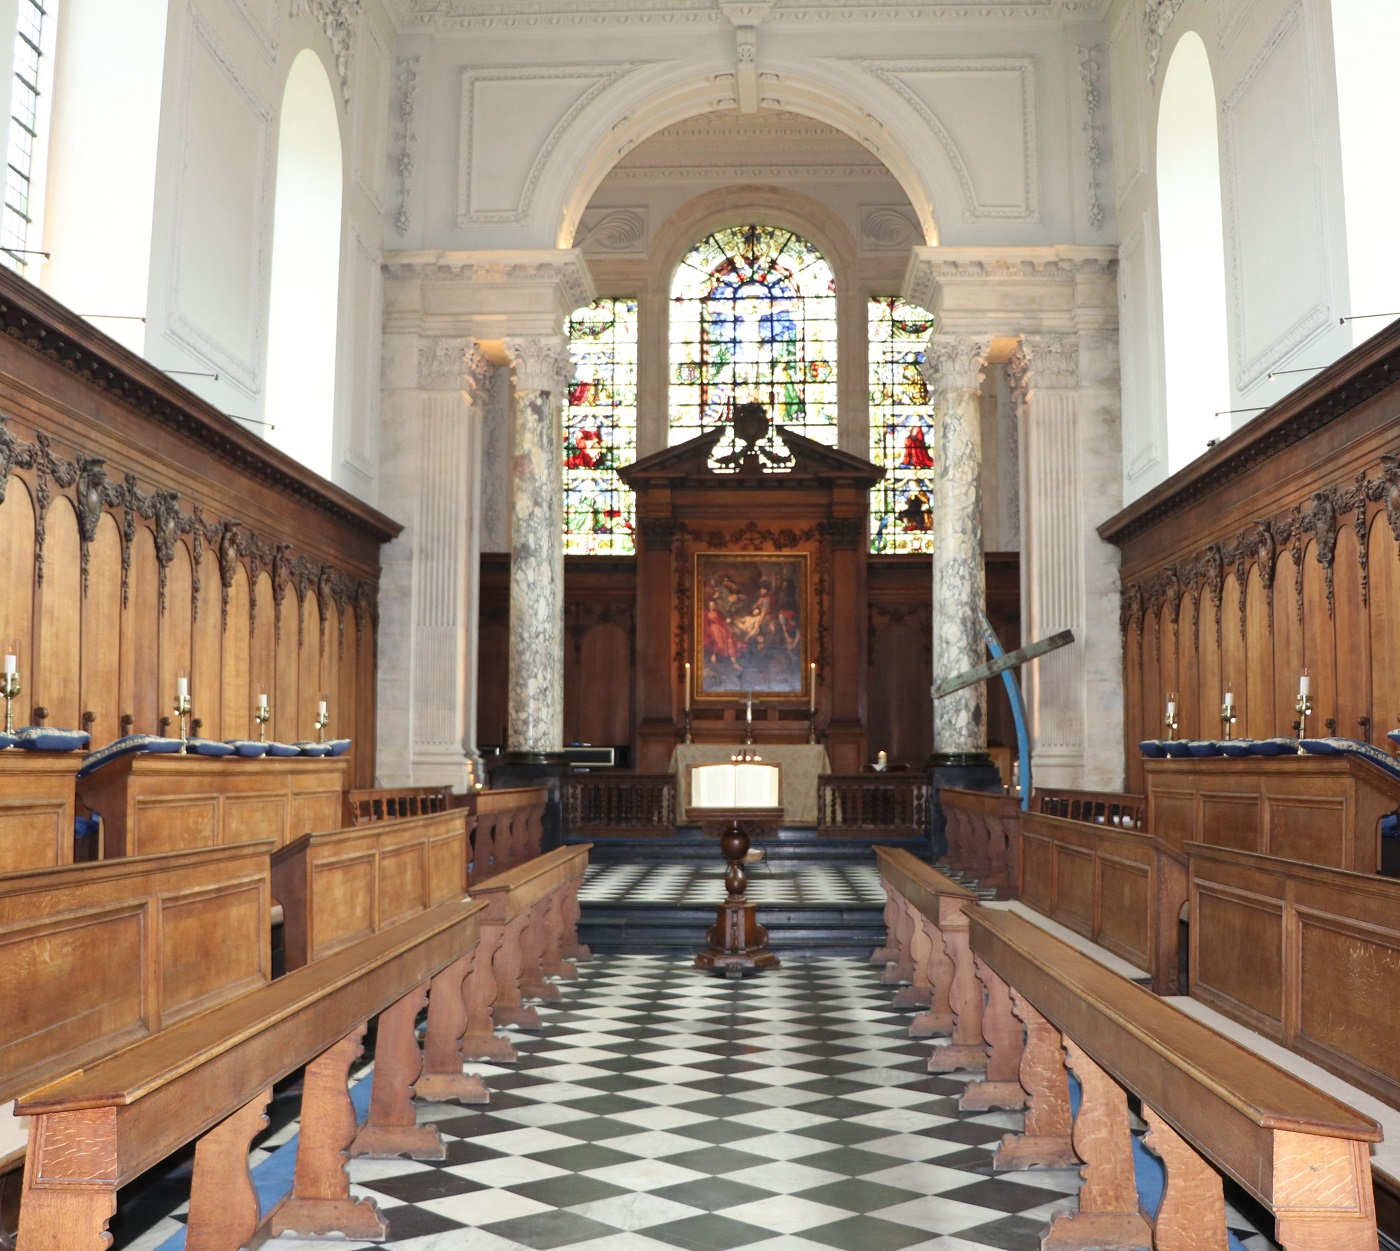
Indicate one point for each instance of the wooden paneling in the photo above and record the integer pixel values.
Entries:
(143, 699)
(1282, 506)
(101, 643)
(58, 641)
(36, 809)
(236, 653)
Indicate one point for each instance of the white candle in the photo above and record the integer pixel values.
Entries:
(812, 673)
(1230, 699)
(262, 703)
(321, 710)
(11, 665)
(182, 688)
(1171, 710)
(1303, 685)
(687, 686)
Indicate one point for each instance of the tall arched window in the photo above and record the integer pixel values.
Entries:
(305, 298)
(1193, 255)
(753, 319)
(901, 427)
(600, 428)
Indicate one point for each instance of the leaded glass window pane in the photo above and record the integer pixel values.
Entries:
(600, 428)
(753, 319)
(901, 428)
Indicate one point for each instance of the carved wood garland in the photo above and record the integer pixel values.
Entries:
(93, 493)
(1322, 515)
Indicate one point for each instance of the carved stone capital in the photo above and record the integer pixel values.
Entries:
(1045, 362)
(955, 362)
(540, 363)
(453, 365)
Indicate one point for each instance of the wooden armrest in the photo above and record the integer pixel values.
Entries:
(919, 883)
(518, 888)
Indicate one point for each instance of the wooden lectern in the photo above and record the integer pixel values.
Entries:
(731, 800)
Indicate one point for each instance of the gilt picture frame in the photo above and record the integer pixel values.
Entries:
(752, 632)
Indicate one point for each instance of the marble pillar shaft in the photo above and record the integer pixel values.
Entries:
(954, 367)
(535, 721)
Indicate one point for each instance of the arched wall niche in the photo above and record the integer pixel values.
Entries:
(643, 104)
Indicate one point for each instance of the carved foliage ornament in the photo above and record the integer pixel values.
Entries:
(1157, 18)
(540, 363)
(955, 362)
(337, 19)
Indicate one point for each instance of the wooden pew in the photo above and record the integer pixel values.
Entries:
(981, 833)
(196, 1034)
(509, 829)
(931, 952)
(36, 808)
(1119, 888)
(1207, 1101)
(156, 803)
(1322, 810)
(528, 934)
(389, 803)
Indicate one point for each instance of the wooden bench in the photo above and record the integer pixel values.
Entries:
(509, 829)
(390, 803)
(981, 831)
(929, 950)
(1205, 1099)
(156, 803)
(163, 964)
(36, 808)
(1322, 810)
(1119, 888)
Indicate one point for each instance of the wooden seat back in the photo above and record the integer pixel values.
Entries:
(1128, 812)
(1322, 810)
(389, 803)
(1120, 888)
(102, 955)
(982, 830)
(1308, 957)
(516, 890)
(36, 809)
(340, 886)
(509, 829)
(1299, 1151)
(164, 803)
(935, 895)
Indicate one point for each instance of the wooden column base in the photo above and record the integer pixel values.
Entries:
(385, 1142)
(738, 943)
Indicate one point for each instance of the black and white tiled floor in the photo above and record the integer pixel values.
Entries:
(661, 1108)
(671, 884)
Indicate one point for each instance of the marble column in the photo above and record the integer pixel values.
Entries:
(535, 725)
(953, 366)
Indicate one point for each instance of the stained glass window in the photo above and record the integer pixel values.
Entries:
(600, 428)
(753, 320)
(901, 428)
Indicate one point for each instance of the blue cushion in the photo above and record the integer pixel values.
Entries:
(312, 749)
(6, 740)
(1152, 748)
(1378, 756)
(247, 747)
(1237, 746)
(1177, 748)
(1390, 826)
(1204, 747)
(282, 749)
(1274, 747)
(208, 747)
(127, 746)
(338, 746)
(85, 827)
(41, 738)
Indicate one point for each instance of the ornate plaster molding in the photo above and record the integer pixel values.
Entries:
(337, 19)
(1090, 65)
(888, 228)
(1157, 18)
(613, 230)
(407, 79)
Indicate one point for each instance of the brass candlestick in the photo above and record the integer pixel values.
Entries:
(262, 716)
(748, 720)
(812, 726)
(1227, 719)
(1170, 719)
(182, 710)
(688, 738)
(322, 720)
(1303, 707)
(9, 688)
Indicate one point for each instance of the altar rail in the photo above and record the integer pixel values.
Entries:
(893, 805)
(1128, 812)
(620, 804)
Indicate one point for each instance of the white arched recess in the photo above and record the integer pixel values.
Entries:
(1365, 36)
(648, 101)
(1191, 230)
(305, 291)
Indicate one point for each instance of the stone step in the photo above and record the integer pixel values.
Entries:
(794, 931)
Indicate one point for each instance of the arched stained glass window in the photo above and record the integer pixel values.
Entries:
(753, 320)
(600, 429)
(901, 428)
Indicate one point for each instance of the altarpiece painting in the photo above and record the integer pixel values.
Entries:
(753, 626)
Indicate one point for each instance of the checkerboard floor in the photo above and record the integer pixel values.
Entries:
(671, 884)
(662, 1108)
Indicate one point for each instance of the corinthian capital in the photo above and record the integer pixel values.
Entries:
(955, 362)
(540, 363)
(453, 365)
(1047, 362)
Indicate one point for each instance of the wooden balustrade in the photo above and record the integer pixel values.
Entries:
(888, 805)
(983, 830)
(607, 804)
(388, 803)
(1127, 812)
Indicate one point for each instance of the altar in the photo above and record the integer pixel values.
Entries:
(800, 765)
